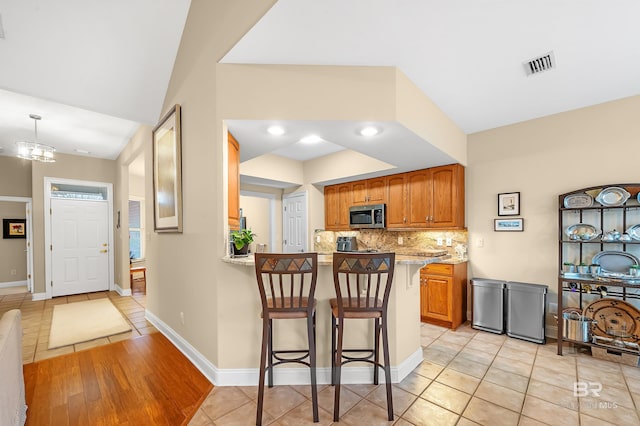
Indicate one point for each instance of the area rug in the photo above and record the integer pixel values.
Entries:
(83, 321)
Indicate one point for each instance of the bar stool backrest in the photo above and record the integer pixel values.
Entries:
(363, 281)
(287, 282)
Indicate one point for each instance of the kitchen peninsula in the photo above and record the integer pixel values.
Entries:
(404, 323)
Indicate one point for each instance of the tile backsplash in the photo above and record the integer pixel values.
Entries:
(383, 240)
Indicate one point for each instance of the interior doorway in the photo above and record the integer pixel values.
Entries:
(18, 252)
(294, 222)
(136, 224)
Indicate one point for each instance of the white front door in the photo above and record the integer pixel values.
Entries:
(79, 246)
(295, 222)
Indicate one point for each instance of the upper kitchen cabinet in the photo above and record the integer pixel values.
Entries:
(337, 200)
(233, 168)
(447, 197)
(423, 199)
(397, 201)
(419, 202)
(428, 199)
(368, 191)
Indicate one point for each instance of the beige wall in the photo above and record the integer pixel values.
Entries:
(276, 195)
(541, 159)
(136, 185)
(12, 251)
(15, 177)
(67, 167)
(421, 115)
(186, 268)
(342, 165)
(273, 167)
(257, 210)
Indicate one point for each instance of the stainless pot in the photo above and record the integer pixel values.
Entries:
(576, 327)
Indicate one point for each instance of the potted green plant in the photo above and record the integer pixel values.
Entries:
(583, 268)
(240, 241)
(568, 267)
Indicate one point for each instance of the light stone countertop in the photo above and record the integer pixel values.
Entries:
(327, 259)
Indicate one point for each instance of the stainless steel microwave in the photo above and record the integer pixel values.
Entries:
(372, 216)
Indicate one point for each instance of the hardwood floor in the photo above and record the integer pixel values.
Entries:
(141, 381)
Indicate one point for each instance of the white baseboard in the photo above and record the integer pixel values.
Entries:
(209, 370)
(283, 376)
(13, 284)
(38, 296)
(123, 291)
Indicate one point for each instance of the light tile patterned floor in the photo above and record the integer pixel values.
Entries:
(36, 320)
(468, 377)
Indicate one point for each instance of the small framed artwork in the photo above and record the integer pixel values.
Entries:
(167, 173)
(14, 228)
(509, 225)
(509, 204)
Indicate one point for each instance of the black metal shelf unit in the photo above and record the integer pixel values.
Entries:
(587, 286)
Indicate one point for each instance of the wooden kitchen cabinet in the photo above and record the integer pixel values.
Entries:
(424, 199)
(233, 167)
(368, 191)
(419, 201)
(447, 197)
(443, 294)
(427, 199)
(397, 201)
(337, 200)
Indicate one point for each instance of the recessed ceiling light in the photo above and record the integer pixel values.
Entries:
(369, 131)
(311, 139)
(276, 130)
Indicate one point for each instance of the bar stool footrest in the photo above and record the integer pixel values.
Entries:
(305, 354)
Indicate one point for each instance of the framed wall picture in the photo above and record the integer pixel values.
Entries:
(508, 225)
(14, 228)
(509, 204)
(167, 173)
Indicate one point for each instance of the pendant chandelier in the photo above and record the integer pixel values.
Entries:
(35, 150)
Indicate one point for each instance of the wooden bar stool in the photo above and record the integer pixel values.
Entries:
(287, 284)
(363, 285)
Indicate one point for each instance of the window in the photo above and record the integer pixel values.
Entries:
(136, 229)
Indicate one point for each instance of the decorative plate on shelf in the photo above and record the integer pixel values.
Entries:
(582, 231)
(615, 261)
(577, 201)
(614, 318)
(613, 196)
(634, 232)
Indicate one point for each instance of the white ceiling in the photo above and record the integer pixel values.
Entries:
(466, 55)
(94, 70)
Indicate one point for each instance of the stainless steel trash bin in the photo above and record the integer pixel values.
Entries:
(488, 305)
(525, 309)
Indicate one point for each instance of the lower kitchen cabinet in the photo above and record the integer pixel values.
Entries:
(443, 294)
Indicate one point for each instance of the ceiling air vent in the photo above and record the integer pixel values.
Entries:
(541, 63)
